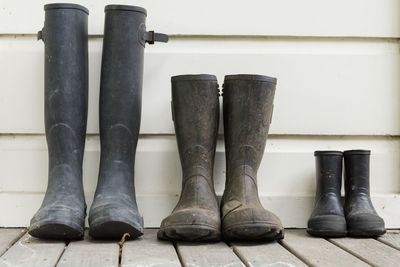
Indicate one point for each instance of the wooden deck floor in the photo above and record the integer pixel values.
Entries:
(17, 248)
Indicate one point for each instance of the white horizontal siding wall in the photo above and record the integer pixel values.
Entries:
(337, 64)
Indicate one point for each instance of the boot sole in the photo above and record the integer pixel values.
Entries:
(53, 230)
(191, 233)
(326, 234)
(365, 229)
(114, 230)
(254, 232)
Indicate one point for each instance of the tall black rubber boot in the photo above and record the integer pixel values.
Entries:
(195, 109)
(114, 210)
(327, 219)
(248, 105)
(63, 211)
(362, 219)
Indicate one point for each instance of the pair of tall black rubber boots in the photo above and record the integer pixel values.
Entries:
(114, 210)
(247, 113)
(359, 218)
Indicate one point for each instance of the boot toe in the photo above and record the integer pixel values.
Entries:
(58, 223)
(191, 225)
(252, 224)
(365, 225)
(113, 221)
(329, 225)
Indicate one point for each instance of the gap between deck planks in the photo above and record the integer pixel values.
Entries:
(17, 248)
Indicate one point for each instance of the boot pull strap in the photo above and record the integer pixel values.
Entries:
(150, 37)
(41, 35)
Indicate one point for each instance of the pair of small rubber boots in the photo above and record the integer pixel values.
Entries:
(247, 113)
(359, 218)
(114, 210)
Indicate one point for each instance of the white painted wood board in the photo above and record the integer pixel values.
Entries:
(207, 254)
(318, 251)
(369, 250)
(147, 250)
(33, 252)
(266, 254)
(324, 87)
(8, 237)
(255, 17)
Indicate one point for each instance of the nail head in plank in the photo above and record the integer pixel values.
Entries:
(89, 252)
(147, 250)
(391, 238)
(8, 237)
(266, 254)
(318, 251)
(210, 254)
(370, 250)
(32, 252)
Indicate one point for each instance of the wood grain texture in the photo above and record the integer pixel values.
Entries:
(147, 250)
(370, 250)
(391, 238)
(270, 254)
(225, 17)
(8, 237)
(90, 253)
(318, 251)
(212, 254)
(33, 252)
(324, 87)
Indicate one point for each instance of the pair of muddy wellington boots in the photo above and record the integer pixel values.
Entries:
(247, 113)
(359, 218)
(114, 210)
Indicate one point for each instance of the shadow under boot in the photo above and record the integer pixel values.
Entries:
(248, 105)
(195, 109)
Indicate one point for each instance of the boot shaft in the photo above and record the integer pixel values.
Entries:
(248, 106)
(328, 172)
(195, 111)
(357, 172)
(66, 82)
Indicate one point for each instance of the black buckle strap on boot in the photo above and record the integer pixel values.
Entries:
(114, 210)
(248, 102)
(195, 109)
(62, 213)
(327, 219)
(362, 219)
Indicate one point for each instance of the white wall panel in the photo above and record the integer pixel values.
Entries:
(374, 18)
(324, 87)
(287, 166)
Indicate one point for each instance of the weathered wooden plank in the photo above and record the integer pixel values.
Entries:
(369, 250)
(270, 254)
(207, 255)
(89, 252)
(318, 251)
(148, 251)
(32, 252)
(8, 237)
(391, 238)
(259, 17)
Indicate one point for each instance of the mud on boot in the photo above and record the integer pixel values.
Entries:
(195, 109)
(248, 105)
(362, 219)
(62, 213)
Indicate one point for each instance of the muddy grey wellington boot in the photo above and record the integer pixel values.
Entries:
(248, 104)
(327, 219)
(361, 217)
(195, 109)
(114, 210)
(63, 211)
